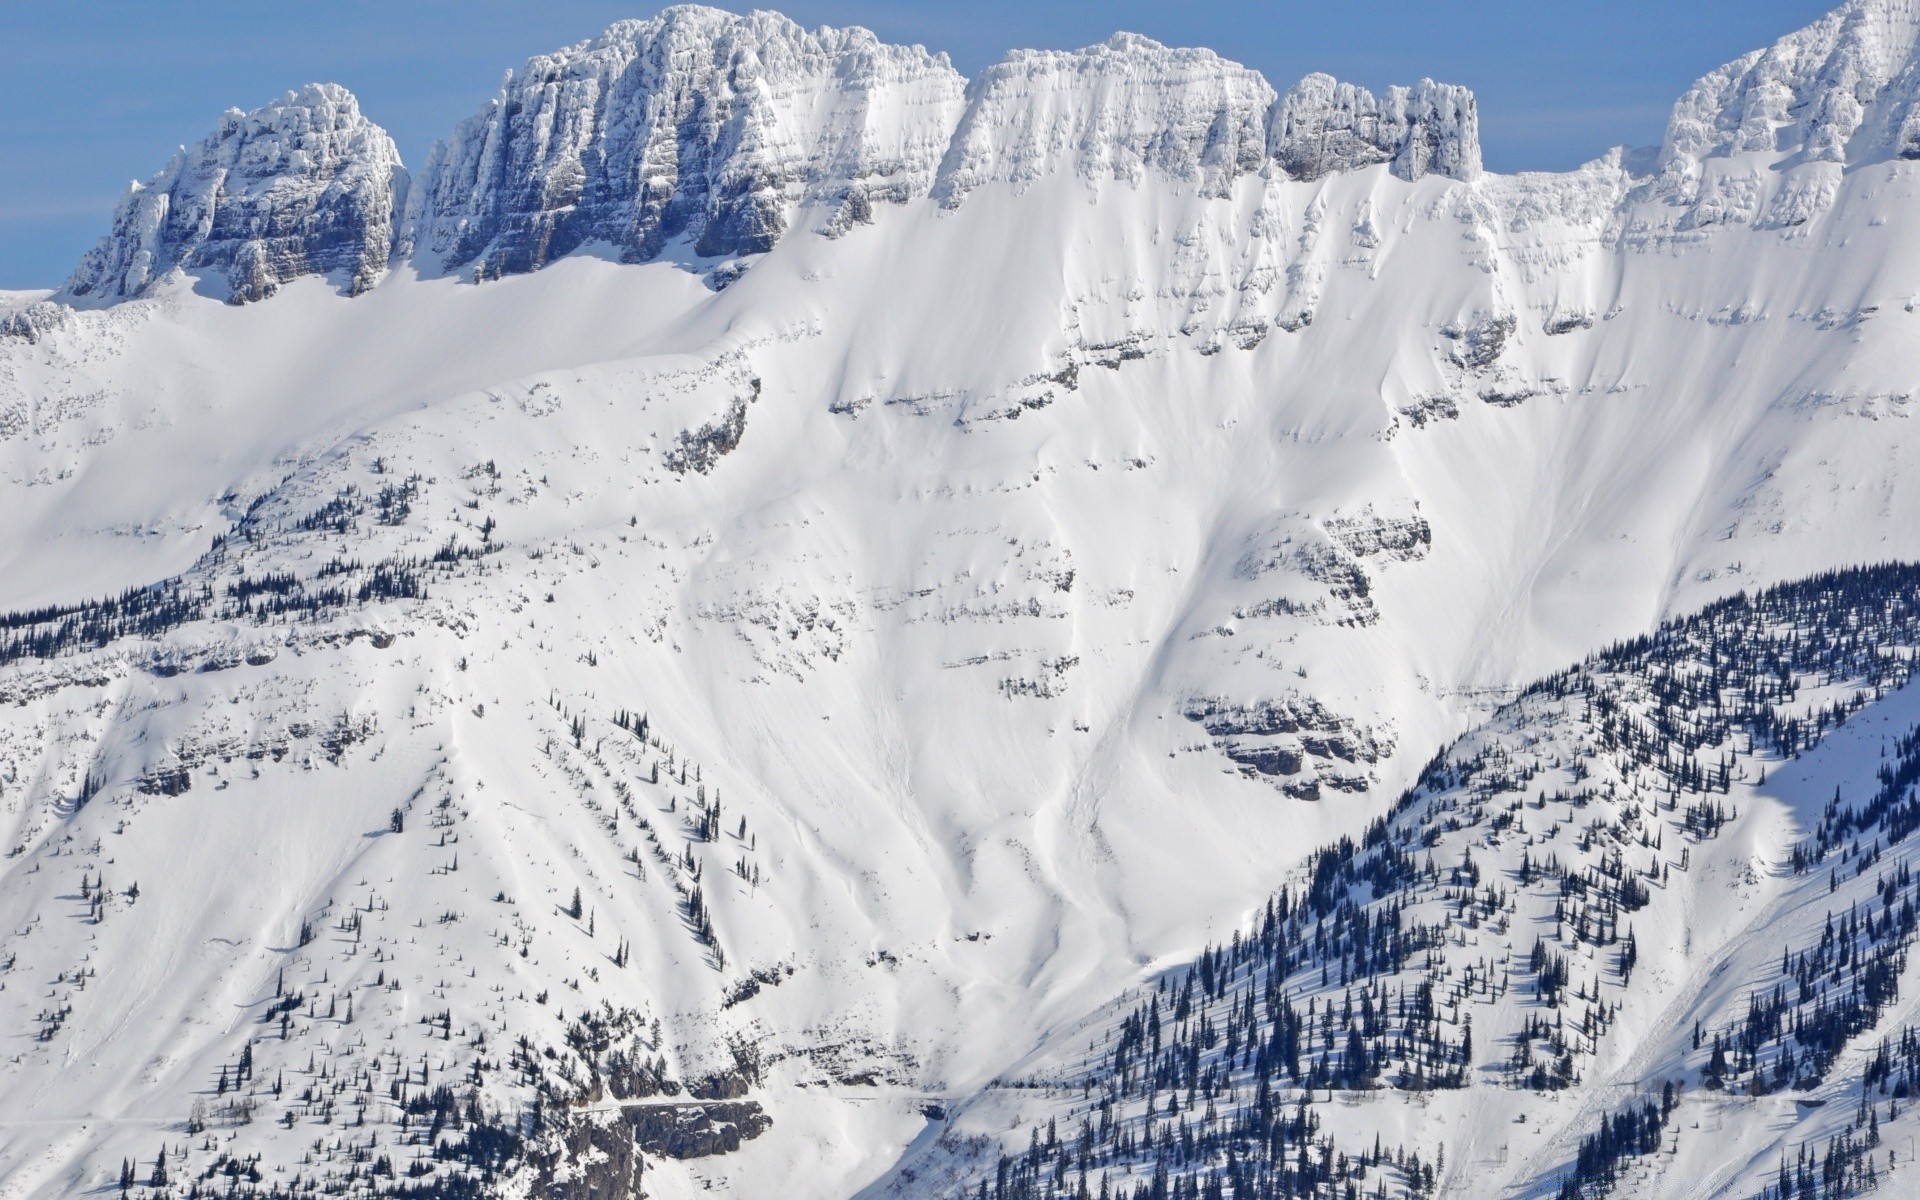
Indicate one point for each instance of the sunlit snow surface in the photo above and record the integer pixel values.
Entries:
(1025, 487)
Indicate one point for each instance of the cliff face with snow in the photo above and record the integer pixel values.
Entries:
(715, 720)
(1842, 93)
(719, 129)
(1113, 111)
(697, 124)
(1842, 90)
(305, 185)
(1323, 126)
(722, 130)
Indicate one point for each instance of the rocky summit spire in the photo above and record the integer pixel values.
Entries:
(304, 185)
(1322, 126)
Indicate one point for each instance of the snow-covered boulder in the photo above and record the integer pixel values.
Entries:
(305, 185)
(696, 123)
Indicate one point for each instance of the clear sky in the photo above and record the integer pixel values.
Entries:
(98, 92)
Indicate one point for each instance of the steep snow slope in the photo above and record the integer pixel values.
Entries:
(1042, 566)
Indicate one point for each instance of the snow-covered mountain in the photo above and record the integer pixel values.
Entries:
(745, 623)
(305, 185)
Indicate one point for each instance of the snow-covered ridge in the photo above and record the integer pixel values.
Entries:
(1763, 141)
(1841, 90)
(717, 128)
(305, 185)
(720, 129)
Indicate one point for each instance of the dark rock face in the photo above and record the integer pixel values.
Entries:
(722, 1085)
(697, 123)
(1268, 760)
(700, 449)
(303, 186)
(1372, 535)
(601, 1155)
(1294, 737)
(596, 1159)
(696, 1130)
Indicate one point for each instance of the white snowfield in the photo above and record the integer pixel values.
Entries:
(1035, 513)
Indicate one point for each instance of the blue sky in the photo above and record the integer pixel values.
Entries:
(99, 92)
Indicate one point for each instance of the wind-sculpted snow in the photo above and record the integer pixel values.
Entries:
(303, 186)
(697, 123)
(1322, 126)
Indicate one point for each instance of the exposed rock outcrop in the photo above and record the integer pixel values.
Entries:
(1111, 111)
(305, 185)
(697, 123)
(1843, 88)
(1294, 737)
(696, 1130)
(594, 1157)
(1322, 126)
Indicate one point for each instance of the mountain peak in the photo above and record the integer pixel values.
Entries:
(716, 129)
(1843, 89)
(302, 185)
(696, 123)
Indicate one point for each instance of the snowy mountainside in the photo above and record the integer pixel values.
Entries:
(918, 558)
(1638, 884)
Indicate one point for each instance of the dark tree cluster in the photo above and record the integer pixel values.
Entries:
(1828, 994)
(1632, 1132)
(1265, 1151)
(271, 596)
(1840, 1170)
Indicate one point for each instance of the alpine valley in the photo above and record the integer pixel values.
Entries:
(775, 621)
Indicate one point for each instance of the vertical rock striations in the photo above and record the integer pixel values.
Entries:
(697, 123)
(305, 185)
(1322, 126)
(721, 130)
